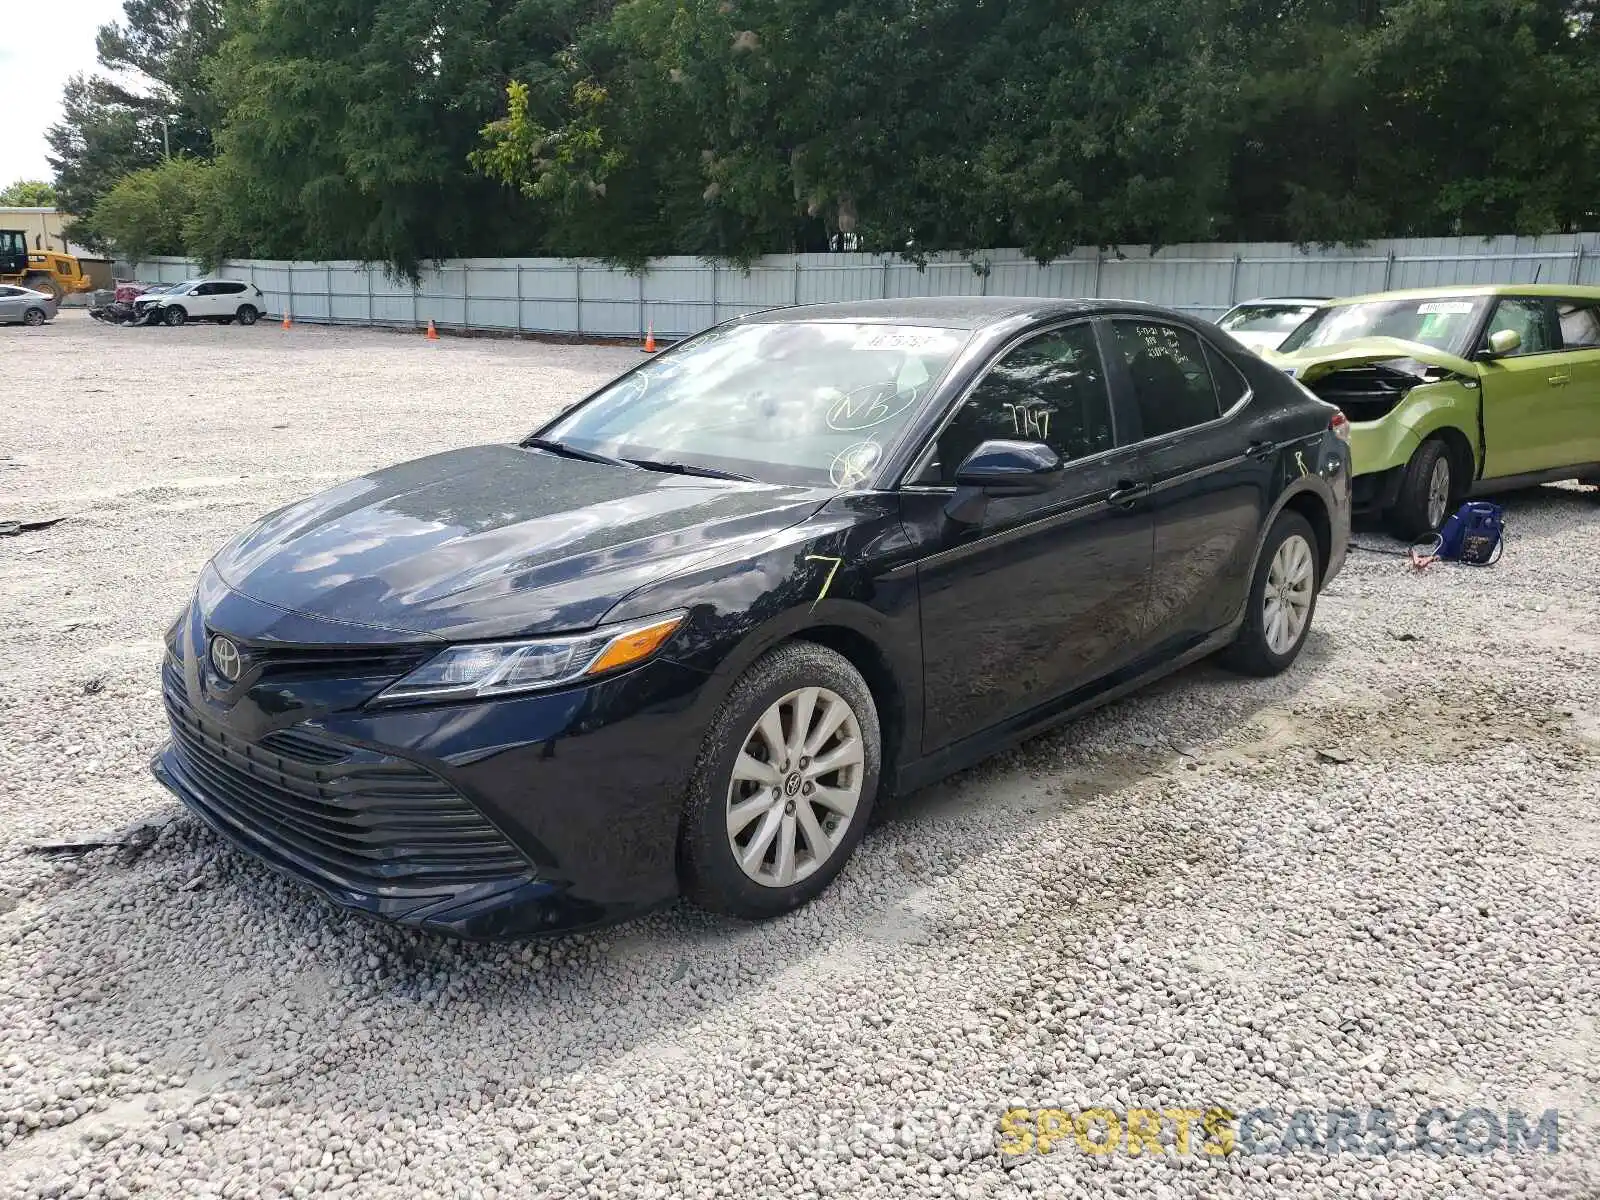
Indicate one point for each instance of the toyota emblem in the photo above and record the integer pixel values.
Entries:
(225, 658)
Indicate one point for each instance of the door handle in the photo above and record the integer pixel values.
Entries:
(1260, 449)
(1127, 493)
(1560, 380)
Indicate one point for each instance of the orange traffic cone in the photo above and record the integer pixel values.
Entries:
(286, 322)
(433, 333)
(650, 338)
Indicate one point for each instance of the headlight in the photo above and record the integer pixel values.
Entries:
(499, 668)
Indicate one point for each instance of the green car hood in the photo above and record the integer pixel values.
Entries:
(1316, 361)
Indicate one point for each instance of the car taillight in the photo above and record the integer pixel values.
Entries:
(1340, 424)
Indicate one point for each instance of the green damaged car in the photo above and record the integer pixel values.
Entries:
(1456, 392)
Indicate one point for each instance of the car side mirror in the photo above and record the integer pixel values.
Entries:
(1503, 342)
(1000, 468)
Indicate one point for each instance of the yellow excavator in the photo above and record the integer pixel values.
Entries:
(39, 270)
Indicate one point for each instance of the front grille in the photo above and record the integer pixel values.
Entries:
(356, 817)
(294, 664)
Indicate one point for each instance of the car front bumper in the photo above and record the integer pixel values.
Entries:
(531, 814)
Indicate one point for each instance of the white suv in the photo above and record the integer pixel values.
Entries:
(223, 300)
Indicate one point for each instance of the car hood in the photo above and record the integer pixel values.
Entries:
(495, 541)
(1313, 362)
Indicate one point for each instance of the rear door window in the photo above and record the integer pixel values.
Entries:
(1580, 323)
(1171, 381)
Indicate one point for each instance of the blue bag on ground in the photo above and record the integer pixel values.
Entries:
(1473, 534)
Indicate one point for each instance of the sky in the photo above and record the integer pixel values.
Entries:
(41, 44)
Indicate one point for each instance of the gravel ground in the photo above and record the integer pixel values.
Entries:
(1176, 902)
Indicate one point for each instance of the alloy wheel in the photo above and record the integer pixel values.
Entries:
(1438, 492)
(1291, 581)
(795, 786)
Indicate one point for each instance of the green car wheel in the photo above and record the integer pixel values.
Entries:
(1428, 491)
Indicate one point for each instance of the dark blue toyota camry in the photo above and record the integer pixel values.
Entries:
(682, 638)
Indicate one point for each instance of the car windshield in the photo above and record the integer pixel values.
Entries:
(1445, 323)
(1266, 318)
(805, 402)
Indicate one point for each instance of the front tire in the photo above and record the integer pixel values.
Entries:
(1428, 490)
(174, 316)
(784, 785)
(1282, 601)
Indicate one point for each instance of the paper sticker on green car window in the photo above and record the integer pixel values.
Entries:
(1445, 308)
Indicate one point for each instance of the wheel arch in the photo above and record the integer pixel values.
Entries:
(1314, 509)
(861, 636)
(888, 690)
(1462, 455)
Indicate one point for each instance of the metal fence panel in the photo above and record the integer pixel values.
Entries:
(680, 295)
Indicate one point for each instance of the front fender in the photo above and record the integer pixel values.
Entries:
(834, 572)
(1390, 442)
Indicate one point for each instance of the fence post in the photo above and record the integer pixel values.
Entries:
(415, 288)
(713, 292)
(641, 303)
(1388, 271)
(289, 308)
(327, 279)
(577, 284)
(1233, 282)
(519, 299)
(1099, 262)
(884, 288)
(466, 299)
(367, 271)
(1577, 265)
(797, 279)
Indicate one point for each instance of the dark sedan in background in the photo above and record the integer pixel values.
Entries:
(681, 639)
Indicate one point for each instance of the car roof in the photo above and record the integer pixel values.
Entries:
(1574, 291)
(954, 312)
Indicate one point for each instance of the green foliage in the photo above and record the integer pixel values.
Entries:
(28, 193)
(108, 129)
(158, 210)
(407, 130)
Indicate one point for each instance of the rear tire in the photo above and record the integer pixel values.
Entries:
(34, 317)
(1428, 492)
(247, 314)
(1282, 600)
(763, 834)
(46, 283)
(174, 315)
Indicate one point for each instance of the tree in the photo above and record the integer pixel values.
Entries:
(157, 210)
(152, 100)
(349, 124)
(28, 193)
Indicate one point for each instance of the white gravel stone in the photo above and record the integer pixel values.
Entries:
(1172, 903)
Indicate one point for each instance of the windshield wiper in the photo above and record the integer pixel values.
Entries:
(562, 448)
(678, 468)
